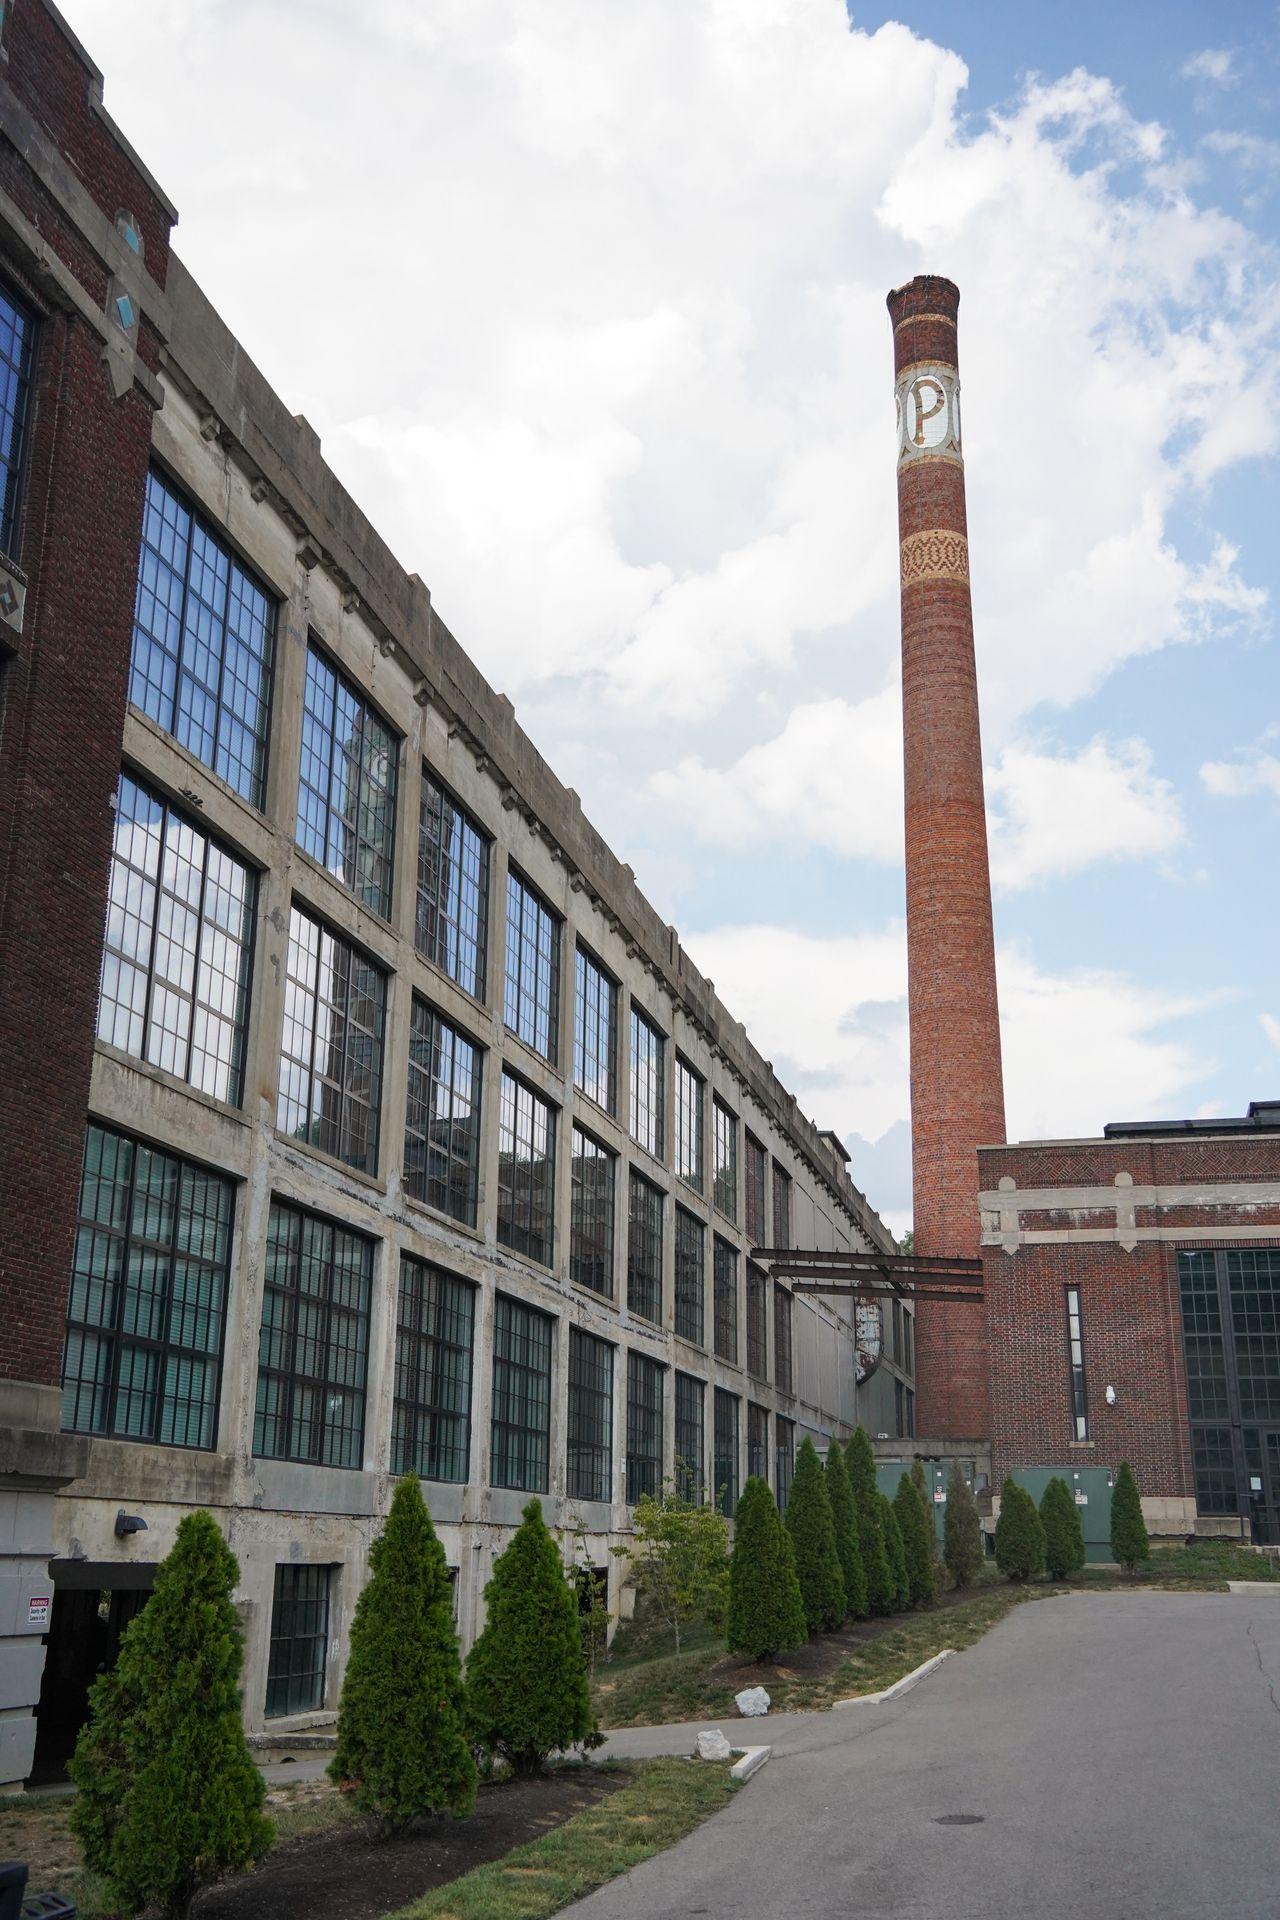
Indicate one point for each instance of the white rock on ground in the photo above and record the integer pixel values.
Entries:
(714, 1746)
(751, 1702)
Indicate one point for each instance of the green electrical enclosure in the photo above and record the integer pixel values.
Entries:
(1092, 1489)
(936, 1473)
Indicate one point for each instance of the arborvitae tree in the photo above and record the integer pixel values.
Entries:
(961, 1532)
(1129, 1543)
(1063, 1533)
(527, 1693)
(1019, 1535)
(766, 1611)
(896, 1553)
(844, 1517)
(916, 1528)
(813, 1536)
(882, 1592)
(401, 1727)
(170, 1798)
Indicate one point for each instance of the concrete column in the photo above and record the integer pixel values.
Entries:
(957, 1096)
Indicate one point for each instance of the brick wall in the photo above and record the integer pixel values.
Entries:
(62, 693)
(957, 1098)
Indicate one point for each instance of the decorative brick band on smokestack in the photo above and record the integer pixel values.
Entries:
(957, 1089)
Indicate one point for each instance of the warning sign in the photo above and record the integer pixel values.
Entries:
(1082, 1499)
(938, 1496)
(38, 1610)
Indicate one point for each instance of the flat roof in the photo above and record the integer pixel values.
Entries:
(1263, 1117)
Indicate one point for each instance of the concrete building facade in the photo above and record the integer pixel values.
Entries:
(366, 1118)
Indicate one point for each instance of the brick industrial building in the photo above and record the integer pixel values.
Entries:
(360, 1114)
(1132, 1283)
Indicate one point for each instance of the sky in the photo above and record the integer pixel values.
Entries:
(586, 301)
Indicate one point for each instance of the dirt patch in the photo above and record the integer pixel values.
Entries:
(344, 1872)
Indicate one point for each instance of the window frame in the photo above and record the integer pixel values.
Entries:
(1077, 1385)
(592, 1448)
(657, 1199)
(521, 1369)
(689, 1326)
(781, 1215)
(424, 1078)
(652, 1137)
(410, 1413)
(645, 1422)
(690, 1125)
(447, 918)
(783, 1349)
(726, 1490)
(587, 965)
(690, 1474)
(247, 942)
(219, 541)
(288, 1374)
(368, 711)
(518, 1234)
(757, 1441)
(580, 1199)
(725, 1326)
(724, 1167)
(783, 1453)
(756, 1193)
(14, 467)
(757, 1321)
(357, 956)
(518, 945)
(126, 1238)
(319, 1641)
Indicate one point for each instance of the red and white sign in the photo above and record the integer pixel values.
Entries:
(38, 1610)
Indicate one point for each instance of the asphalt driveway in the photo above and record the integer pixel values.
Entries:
(1113, 1754)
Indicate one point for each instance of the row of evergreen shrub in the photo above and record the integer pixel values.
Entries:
(1030, 1543)
(169, 1796)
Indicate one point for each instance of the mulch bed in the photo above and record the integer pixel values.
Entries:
(345, 1872)
(824, 1653)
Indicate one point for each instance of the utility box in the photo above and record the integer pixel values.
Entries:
(936, 1475)
(1091, 1487)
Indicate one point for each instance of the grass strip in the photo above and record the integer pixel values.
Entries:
(662, 1802)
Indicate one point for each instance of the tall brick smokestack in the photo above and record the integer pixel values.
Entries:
(957, 1088)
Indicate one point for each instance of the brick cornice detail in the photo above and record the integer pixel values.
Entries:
(936, 554)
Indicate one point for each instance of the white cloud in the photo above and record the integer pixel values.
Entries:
(595, 329)
(1052, 814)
(1253, 771)
(833, 779)
(1081, 1046)
(1271, 1027)
(1216, 64)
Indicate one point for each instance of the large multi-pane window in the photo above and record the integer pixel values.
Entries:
(691, 1471)
(644, 1426)
(313, 1346)
(724, 1175)
(435, 1337)
(648, 1084)
(589, 1450)
(521, 1439)
(757, 1172)
(1231, 1347)
(148, 1301)
(330, 1085)
(526, 1171)
(725, 1264)
(451, 921)
(757, 1322)
(781, 1206)
(757, 1441)
(203, 643)
(17, 336)
(591, 1215)
(595, 1032)
(347, 784)
(1075, 1363)
(689, 1097)
(644, 1248)
(299, 1640)
(178, 946)
(442, 1119)
(726, 1451)
(785, 1457)
(691, 1282)
(782, 1340)
(531, 1003)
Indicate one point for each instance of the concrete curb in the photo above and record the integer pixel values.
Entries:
(904, 1685)
(1253, 1586)
(753, 1758)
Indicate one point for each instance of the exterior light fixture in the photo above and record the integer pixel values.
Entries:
(127, 1523)
(1111, 1396)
